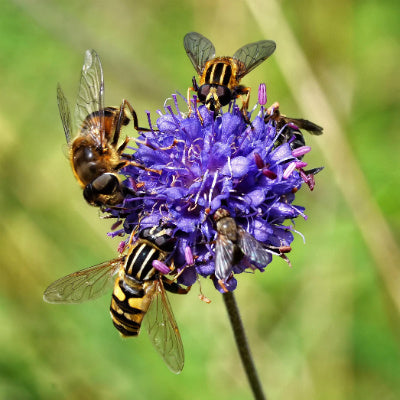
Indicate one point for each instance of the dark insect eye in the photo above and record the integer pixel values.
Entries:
(224, 95)
(105, 184)
(203, 92)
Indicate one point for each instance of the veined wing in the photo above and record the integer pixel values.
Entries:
(199, 49)
(163, 331)
(253, 249)
(65, 114)
(91, 93)
(253, 54)
(224, 255)
(84, 285)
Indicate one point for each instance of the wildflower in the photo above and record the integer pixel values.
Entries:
(209, 163)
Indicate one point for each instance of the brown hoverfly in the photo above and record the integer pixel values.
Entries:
(139, 292)
(220, 76)
(233, 243)
(94, 153)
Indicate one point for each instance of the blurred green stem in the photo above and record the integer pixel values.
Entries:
(243, 346)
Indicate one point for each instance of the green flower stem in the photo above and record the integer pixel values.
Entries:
(243, 346)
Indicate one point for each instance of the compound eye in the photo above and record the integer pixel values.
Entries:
(203, 92)
(224, 95)
(105, 184)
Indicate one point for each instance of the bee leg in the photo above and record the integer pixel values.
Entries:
(146, 143)
(222, 284)
(126, 163)
(121, 120)
(174, 287)
(241, 91)
(134, 117)
(190, 89)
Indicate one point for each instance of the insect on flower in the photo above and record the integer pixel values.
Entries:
(289, 128)
(220, 76)
(139, 292)
(94, 153)
(233, 243)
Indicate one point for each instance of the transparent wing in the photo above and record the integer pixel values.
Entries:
(84, 285)
(64, 113)
(199, 49)
(91, 92)
(163, 330)
(224, 254)
(253, 54)
(254, 249)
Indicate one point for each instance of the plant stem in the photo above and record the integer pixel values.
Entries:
(243, 346)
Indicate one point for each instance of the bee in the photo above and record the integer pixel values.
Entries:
(139, 292)
(94, 153)
(289, 128)
(220, 76)
(233, 243)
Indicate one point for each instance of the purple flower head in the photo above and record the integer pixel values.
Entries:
(209, 163)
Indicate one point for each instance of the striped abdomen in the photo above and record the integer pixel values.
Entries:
(135, 288)
(129, 304)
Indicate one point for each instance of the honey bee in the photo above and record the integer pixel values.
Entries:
(139, 292)
(94, 153)
(220, 76)
(289, 134)
(233, 243)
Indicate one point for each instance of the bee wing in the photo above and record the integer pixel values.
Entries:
(83, 285)
(224, 254)
(253, 54)
(65, 114)
(163, 330)
(91, 92)
(199, 49)
(254, 249)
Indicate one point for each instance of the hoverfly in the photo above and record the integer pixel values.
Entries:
(289, 128)
(139, 292)
(94, 153)
(233, 243)
(220, 76)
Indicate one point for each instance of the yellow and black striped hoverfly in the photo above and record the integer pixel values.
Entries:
(94, 153)
(220, 76)
(139, 292)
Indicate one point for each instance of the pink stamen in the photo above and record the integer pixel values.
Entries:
(189, 256)
(262, 94)
(289, 170)
(160, 266)
(300, 151)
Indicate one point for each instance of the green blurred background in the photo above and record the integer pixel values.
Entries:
(329, 327)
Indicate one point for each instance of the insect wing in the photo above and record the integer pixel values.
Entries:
(309, 126)
(163, 330)
(91, 93)
(84, 285)
(199, 49)
(224, 254)
(253, 249)
(65, 114)
(253, 54)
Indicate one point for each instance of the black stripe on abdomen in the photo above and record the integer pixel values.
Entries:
(139, 264)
